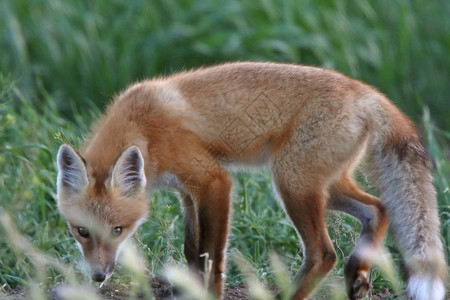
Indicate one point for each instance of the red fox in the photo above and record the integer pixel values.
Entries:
(311, 126)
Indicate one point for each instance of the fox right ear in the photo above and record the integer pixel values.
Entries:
(72, 175)
(128, 174)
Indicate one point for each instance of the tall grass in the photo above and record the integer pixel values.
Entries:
(61, 61)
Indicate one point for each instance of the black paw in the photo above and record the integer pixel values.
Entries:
(360, 288)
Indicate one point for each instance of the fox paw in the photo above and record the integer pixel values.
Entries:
(360, 287)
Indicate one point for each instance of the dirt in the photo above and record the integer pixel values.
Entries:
(16, 294)
(162, 290)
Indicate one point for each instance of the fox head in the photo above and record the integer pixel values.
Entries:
(101, 213)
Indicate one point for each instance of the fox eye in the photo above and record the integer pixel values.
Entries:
(117, 231)
(83, 232)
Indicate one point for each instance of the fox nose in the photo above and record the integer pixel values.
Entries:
(98, 276)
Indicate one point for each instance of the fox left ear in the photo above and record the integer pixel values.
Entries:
(72, 176)
(128, 172)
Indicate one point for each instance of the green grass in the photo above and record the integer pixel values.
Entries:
(61, 61)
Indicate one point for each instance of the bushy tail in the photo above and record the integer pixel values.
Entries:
(402, 169)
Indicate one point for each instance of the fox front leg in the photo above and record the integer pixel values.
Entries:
(212, 208)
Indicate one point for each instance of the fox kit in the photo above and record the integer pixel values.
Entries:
(311, 126)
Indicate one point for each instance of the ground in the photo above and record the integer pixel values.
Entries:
(162, 290)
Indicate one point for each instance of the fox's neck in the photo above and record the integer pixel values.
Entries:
(119, 128)
(144, 116)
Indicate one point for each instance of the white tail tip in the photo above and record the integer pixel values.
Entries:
(422, 287)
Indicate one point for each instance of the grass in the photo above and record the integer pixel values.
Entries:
(63, 60)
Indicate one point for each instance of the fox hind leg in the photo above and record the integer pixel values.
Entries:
(306, 209)
(304, 169)
(347, 197)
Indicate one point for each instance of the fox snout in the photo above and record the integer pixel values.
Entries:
(100, 274)
(99, 264)
(99, 252)
(100, 261)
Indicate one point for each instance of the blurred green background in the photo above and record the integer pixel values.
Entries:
(62, 61)
(84, 51)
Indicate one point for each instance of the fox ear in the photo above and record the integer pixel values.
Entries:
(72, 175)
(128, 172)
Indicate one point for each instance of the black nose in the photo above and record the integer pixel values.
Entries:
(98, 276)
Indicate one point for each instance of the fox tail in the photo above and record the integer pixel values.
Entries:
(401, 166)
